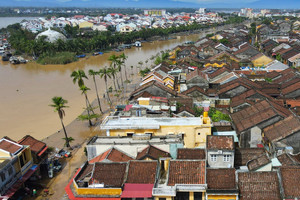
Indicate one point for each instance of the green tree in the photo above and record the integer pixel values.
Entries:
(123, 58)
(78, 77)
(105, 74)
(93, 74)
(113, 72)
(59, 104)
(89, 108)
(68, 141)
(114, 62)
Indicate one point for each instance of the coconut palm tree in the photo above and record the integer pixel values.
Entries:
(94, 73)
(114, 62)
(123, 58)
(84, 90)
(104, 73)
(113, 72)
(78, 77)
(59, 104)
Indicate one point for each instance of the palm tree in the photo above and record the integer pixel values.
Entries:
(78, 76)
(119, 68)
(114, 61)
(104, 73)
(123, 58)
(113, 71)
(84, 90)
(59, 105)
(94, 73)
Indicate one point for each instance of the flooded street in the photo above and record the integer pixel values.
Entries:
(27, 89)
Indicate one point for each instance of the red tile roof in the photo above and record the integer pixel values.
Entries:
(218, 72)
(153, 83)
(143, 172)
(10, 146)
(223, 53)
(256, 114)
(196, 73)
(290, 177)
(259, 186)
(221, 179)
(243, 155)
(195, 88)
(35, 145)
(191, 154)
(110, 174)
(112, 154)
(186, 172)
(152, 152)
(258, 162)
(282, 129)
(217, 142)
(291, 88)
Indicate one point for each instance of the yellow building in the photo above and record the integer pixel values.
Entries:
(86, 25)
(260, 60)
(15, 162)
(193, 129)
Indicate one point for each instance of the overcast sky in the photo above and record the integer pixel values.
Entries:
(280, 4)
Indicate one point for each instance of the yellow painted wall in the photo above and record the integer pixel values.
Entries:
(168, 79)
(98, 191)
(261, 61)
(86, 25)
(144, 102)
(167, 198)
(169, 86)
(214, 65)
(217, 197)
(150, 77)
(4, 154)
(191, 137)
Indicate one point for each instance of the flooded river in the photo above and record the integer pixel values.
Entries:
(27, 89)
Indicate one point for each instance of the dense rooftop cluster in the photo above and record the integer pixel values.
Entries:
(245, 101)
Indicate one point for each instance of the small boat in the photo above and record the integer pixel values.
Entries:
(97, 53)
(81, 56)
(138, 44)
(6, 56)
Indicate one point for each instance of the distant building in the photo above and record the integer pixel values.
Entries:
(155, 12)
(246, 12)
(51, 36)
(202, 10)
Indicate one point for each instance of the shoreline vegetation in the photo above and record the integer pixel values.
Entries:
(86, 42)
(60, 58)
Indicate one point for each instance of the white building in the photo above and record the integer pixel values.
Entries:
(202, 10)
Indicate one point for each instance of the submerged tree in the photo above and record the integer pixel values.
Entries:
(94, 73)
(89, 108)
(104, 73)
(59, 105)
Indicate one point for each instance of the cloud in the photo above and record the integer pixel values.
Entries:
(215, 1)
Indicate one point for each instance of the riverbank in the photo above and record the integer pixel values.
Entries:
(28, 88)
(81, 133)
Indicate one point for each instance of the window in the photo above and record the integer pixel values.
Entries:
(226, 158)
(213, 158)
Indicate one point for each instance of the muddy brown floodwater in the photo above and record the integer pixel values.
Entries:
(27, 89)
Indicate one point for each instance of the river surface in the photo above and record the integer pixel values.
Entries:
(5, 21)
(27, 89)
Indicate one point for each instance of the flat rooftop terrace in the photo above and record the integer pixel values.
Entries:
(147, 123)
